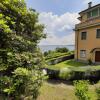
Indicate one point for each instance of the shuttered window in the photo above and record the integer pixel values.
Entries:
(82, 53)
(83, 35)
(98, 33)
(93, 13)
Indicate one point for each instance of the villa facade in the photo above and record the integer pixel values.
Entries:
(87, 35)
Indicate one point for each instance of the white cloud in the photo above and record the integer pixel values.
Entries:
(69, 39)
(87, 1)
(55, 23)
(55, 40)
(57, 27)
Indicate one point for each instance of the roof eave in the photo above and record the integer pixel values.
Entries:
(89, 9)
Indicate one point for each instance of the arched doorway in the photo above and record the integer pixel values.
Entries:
(97, 56)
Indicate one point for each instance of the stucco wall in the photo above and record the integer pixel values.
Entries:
(84, 17)
(90, 43)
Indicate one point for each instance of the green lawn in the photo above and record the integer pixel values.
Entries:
(65, 91)
(68, 64)
(74, 65)
(61, 91)
(87, 68)
(56, 91)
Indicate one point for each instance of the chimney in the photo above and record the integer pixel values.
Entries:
(89, 4)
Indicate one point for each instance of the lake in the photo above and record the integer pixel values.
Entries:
(53, 47)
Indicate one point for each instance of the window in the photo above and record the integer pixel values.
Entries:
(83, 35)
(98, 33)
(93, 13)
(82, 53)
(99, 11)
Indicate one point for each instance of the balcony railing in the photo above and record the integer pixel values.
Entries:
(88, 23)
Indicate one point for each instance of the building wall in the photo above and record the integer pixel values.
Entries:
(88, 22)
(90, 43)
(84, 17)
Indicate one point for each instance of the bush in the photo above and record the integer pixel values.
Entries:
(65, 74)
(81, 90)
(20, 58)
(45, 53)
(98, 91)
(62, 50)
(89, 61)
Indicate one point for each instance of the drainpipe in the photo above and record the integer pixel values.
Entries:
(77, 43)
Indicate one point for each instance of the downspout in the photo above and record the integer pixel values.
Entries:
(77, 43)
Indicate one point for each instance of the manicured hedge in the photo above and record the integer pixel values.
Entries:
(91, 75)
(55, 55)
(60, 59)
(73, 75)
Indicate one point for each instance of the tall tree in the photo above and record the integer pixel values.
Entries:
(20, 59)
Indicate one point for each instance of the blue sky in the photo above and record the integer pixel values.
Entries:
(59, 17)
(56, 6)
(59, 6)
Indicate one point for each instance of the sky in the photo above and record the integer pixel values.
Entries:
(59, 18)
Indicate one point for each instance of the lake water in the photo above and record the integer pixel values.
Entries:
(53, 47)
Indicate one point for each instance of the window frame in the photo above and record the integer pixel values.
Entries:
(91, 13)
(97, 9)
(82, 53)
(82, 37)
(97, 34)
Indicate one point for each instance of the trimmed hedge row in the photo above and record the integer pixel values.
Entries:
(73, 75)
(60, 59)
(92, 75)
(55, 55)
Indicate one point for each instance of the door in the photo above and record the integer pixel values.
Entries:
(97, 56)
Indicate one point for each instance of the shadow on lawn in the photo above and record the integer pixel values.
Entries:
(57, 82)
(69, 82)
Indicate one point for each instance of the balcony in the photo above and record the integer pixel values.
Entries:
(89, 23)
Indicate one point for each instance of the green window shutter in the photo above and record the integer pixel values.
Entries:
(95, 13)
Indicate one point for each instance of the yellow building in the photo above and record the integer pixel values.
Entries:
(87, 35)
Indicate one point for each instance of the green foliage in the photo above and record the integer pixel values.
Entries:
(65, 74)
(72, 64)
(58, 52)
(98, 93)
(62, 50)
(98, 90)
(54, 55)
(81, 90)
(20, 59)
(89, 61)
(45, 53)
(70, 52)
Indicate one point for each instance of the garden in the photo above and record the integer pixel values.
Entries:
(71, 79)
(22, 63)
(71, 69)
(64, 90)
